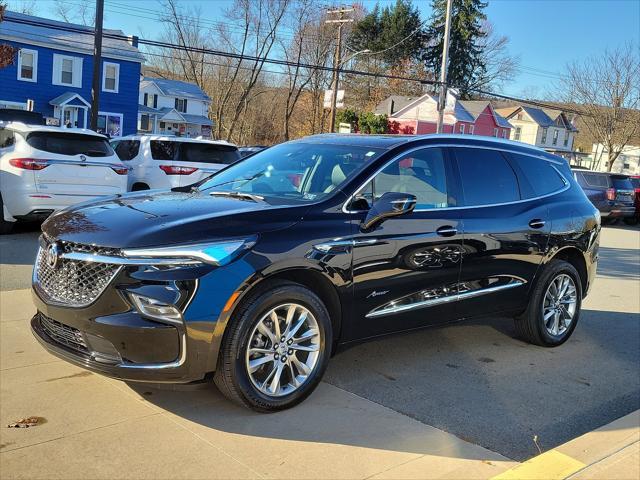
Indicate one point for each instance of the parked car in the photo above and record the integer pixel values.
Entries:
(612, 194)
(251, 149)
(43, 169)
(635, 182)
(256, 281)
(160, 161)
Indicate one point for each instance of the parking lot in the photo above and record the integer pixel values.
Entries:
(470, 392)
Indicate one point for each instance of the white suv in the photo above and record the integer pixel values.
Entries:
(43, 169)
(160, 161)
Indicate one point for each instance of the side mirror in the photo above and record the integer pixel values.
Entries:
(391, 204)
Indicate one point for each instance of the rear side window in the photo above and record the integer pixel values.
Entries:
(126, 149)
(487, 177)
(7, 138)
(635, 182)
(540, 175)
(163, 149)
(208, 153)
(595, 180)
(70, 144)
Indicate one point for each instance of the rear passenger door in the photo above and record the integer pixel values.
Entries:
(506, 230)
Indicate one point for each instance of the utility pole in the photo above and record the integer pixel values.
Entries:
(97, 63)
(341, 20)
(442, 99)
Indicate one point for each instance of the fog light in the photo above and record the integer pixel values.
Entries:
(150, 307)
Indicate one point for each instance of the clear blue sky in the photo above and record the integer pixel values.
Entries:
(546, 34)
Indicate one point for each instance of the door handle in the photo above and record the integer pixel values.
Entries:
(536, 223)
(447, 231)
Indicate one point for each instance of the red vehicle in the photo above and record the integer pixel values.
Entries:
(635, 180)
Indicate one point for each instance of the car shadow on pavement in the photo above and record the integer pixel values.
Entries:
(619, 263)
(472, 379)
(20, 247)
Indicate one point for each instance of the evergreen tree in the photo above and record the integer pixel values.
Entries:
(383, 29)
(466, 63)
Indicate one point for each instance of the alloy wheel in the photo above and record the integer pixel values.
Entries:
(283, 349)
(559, 304)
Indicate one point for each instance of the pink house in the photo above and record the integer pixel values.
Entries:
(469, 117)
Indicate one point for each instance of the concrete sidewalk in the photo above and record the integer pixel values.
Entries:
(94, 427)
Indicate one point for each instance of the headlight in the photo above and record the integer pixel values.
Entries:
(212, 253)
(156, 309)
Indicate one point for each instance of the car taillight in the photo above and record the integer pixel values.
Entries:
(611, 193)
(174, 170)
(29, 163)
(120, 170)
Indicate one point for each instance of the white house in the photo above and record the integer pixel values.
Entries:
(543, 127)
(173, 107)
(628, 162)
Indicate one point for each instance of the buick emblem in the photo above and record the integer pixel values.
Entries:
(53, 256)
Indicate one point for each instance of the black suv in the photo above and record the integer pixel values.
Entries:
(258, 274)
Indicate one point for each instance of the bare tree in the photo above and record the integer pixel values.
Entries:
(83, 13)
(7, 52)
(28, 7)
(607, 90)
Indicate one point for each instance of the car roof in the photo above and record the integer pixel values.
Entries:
(28, 128)
(171, 138)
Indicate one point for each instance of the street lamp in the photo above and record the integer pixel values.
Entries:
(334, 85)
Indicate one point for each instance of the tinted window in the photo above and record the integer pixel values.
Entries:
(621, 183)
(635, 182)
(70, 144)
(7, 138)
(126, 149)
(595, 179)
(163, 149)
(539, 174)
(421, 173)
(208, 153)
(487, 178)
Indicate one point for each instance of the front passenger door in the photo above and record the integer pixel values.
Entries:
(406, 269)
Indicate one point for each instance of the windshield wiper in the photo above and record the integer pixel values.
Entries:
(244, 180)
(238, 195)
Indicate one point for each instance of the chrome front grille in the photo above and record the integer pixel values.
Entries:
(73, 283)
(64, 334)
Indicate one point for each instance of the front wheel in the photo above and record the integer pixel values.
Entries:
(276, 348)
(554, 306)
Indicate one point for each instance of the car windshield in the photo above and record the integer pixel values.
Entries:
(301, 172)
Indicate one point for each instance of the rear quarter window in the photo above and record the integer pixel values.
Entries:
(163, 149)
(208, 153)
(487, 177)
(540, 177)
(126, 149)
(70, 144)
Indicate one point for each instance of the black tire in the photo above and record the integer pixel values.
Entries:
(530, 325)
(5, 227)
(231, 375)
(631, 220)
(138, 187)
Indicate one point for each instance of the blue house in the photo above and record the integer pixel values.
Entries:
(53, 68)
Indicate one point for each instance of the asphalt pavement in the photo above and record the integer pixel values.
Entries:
(474, 379)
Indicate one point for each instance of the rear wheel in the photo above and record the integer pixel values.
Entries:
(631, 220)
(554, 306)
(5, 226)
(276, 348)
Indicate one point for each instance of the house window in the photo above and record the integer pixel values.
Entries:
(555, 136)
(150, 100)
(566, 138)
(462, 129)
(626, 166)
(495, 132)
(181, 105)
(28, 65)
(544, 135)
(13, 105)
(110, 124)
(471, 128)
(505, 133)
(145, 123)
(518, 133)
(67, 70)
(110, 77)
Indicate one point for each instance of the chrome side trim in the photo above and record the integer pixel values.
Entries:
(439, 301)
(178, 362)
(566, 187)
(345, 244)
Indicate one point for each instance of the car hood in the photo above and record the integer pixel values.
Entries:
(145, 219)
